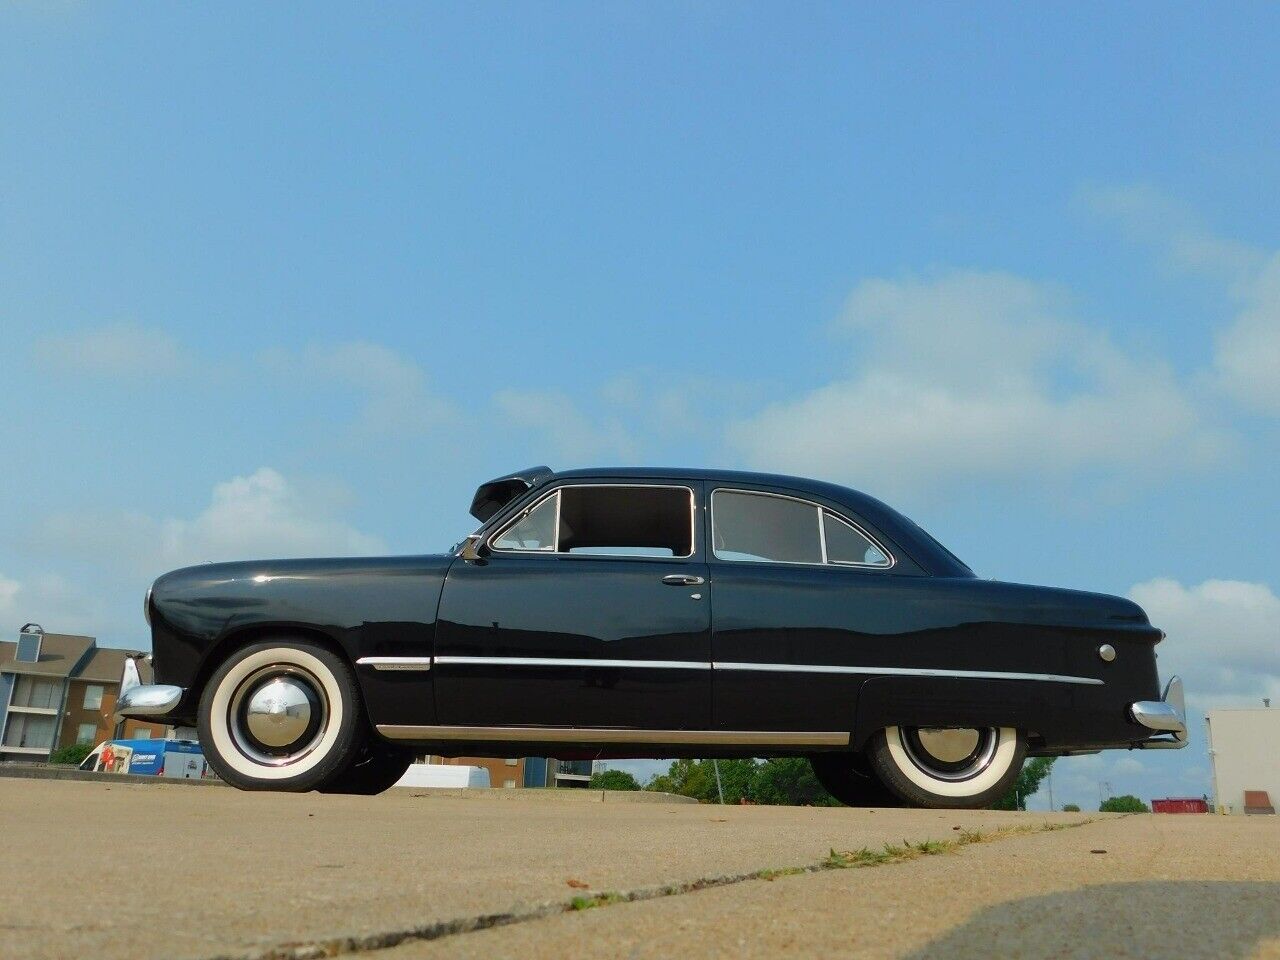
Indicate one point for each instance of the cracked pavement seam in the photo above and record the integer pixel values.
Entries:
(836, 860)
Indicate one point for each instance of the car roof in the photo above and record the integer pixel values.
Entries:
(832, 491)
(928, 553)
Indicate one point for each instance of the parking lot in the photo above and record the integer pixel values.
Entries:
(130, 870)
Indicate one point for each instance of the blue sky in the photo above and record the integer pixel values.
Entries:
(274, 283)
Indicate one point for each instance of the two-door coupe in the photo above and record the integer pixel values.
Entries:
(654, 613)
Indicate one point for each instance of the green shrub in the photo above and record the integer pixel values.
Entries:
(614, 780)
(73, 755)
(1125, 803)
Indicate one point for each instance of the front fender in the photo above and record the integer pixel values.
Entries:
(364, 607)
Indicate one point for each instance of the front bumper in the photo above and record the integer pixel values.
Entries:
(1166, 715)
(148, 701)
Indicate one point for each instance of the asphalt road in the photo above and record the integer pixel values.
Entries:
(123, 870)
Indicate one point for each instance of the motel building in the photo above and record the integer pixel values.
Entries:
(59, 689)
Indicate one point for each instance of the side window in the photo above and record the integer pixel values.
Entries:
(533, 530)
(621, 521)
(759, 526)
(755, 526)
(606, 521)
(847, 544)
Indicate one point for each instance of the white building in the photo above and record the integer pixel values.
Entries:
(1244, 748)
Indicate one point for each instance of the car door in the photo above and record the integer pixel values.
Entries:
(798, 589)
(589, 609)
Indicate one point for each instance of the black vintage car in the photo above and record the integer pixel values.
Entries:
(654, 613)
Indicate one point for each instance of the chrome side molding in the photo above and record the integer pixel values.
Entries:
(395, 663)
(802, 738)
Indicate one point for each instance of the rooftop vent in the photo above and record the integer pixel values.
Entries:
(29, 644)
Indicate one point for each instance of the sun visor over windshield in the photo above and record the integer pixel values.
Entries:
(493, 496)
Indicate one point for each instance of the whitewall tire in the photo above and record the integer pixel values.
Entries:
(280, 715)
(947, 767)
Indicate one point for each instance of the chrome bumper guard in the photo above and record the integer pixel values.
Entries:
(1167, 715)
(147, 701)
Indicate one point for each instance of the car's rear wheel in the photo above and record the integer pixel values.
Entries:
(848, 778)
(947, 767)
(281, 715)
(376, 768)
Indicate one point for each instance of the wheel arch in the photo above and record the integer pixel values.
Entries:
(952, 702)
(241, 637)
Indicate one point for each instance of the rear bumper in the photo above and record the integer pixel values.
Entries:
(1168, 715)
(149, 701)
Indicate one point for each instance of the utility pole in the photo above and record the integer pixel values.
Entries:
(715, 765)
(1051, 790)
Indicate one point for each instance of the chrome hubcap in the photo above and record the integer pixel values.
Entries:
(950, 753)
(278, 715)
(949, 746)
(279, 712)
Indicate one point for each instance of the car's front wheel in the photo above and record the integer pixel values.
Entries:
(947, 767)
(280, 715)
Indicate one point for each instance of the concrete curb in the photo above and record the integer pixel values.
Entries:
(563, 794)
(32, 771)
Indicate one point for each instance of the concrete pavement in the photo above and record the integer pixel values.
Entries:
(154, 871)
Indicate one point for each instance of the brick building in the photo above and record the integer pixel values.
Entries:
(513, 772)
(59, 689)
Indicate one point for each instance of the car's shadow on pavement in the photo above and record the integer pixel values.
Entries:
(1226, 920)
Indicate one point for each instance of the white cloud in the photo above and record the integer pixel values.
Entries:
(8, 596)
(45, 599)
(1224, 638)
(260, 515)
(1146, 214)
(395, 397)
(571, 434)
(1246, 363)
(119, 350)
(979, 375)
(1247, 360)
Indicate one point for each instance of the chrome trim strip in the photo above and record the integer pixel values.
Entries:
(574, 662)
(759, 667)
(148, 700)
(396, 663)
(613, 735)
(903, 672)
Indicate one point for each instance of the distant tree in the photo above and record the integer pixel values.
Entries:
(1070, 808)
(1125, 803)
(1028, 782)
(688, 778)
(697, 779)
(737, 776)
(73, 754)
(614, 780)
(789, 780)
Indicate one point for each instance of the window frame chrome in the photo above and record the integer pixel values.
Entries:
(822, 533)
(520, 514)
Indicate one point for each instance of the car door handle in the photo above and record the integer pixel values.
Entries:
(681, 580)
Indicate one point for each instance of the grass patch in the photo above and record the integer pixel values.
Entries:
(895, 853)
(598, 900)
